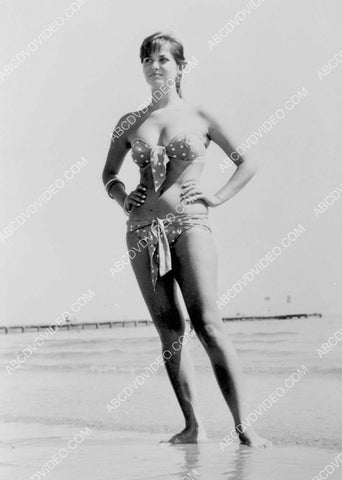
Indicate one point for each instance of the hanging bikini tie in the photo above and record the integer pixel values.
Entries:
(159, 250)
(159, 160)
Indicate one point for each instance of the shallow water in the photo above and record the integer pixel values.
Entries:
(69, 381)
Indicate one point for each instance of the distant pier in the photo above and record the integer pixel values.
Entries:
(135, 323)
(272, 317)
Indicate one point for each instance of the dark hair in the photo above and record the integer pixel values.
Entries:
(154, 42)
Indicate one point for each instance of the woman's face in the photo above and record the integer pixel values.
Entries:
(160, 66)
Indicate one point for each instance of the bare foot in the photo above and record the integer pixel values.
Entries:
(188, 435)
(252, 439)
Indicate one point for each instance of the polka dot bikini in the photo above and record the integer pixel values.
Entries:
(159, 235)
(187, 147)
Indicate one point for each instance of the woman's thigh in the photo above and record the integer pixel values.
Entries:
(194, 258)
(163, 303)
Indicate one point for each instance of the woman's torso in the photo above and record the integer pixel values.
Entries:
(183, 133)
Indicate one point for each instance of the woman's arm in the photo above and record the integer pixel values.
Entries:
(119, 147)
(246, 169)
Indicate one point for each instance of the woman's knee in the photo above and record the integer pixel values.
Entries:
(208, 326)
(172, 336)
(210, 335)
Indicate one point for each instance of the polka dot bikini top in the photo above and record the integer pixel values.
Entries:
(187, 147)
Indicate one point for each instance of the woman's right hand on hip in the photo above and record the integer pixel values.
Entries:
(137, 197)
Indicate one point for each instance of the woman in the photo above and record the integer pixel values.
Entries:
(168, 226)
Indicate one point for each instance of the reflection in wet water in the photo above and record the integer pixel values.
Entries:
(199, 461)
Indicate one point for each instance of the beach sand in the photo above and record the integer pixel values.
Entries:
(108, 455)
(66, 386)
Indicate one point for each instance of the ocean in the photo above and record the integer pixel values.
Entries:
(58, 400)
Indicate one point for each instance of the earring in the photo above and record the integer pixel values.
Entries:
(178, 78)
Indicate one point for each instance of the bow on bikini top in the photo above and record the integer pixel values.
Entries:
(182, 147)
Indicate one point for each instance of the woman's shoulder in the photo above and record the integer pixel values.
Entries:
(204, 112)
(133, 116)
(213, 121)
(129, 122)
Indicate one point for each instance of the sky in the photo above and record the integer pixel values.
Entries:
(66, 91)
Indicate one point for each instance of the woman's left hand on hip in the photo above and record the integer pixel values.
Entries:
(191, 192)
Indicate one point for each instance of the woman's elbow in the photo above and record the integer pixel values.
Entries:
(251, 166)
(106, 174)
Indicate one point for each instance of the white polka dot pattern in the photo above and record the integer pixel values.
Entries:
(160, 235)
(182, 147)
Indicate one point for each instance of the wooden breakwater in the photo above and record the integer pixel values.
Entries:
(273, 317)
(135, 323)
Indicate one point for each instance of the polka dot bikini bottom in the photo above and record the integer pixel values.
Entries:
(161, 234)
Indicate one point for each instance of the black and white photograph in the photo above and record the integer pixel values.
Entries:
(171, 185)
